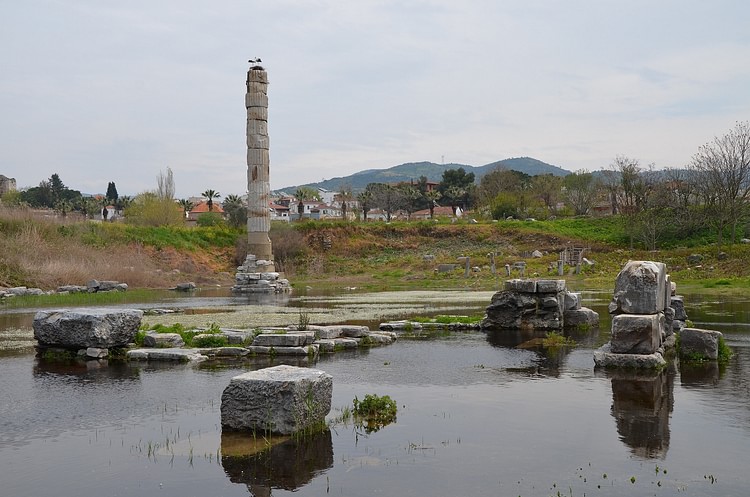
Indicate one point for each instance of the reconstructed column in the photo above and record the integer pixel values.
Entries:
(258, 273)
(258, 186)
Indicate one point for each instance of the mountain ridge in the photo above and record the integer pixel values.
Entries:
(411, 171)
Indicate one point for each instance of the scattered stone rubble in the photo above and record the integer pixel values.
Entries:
(253, 276)
(281, 399)
(287, 342)
(92, 286)
(646, 313)
(543, 305)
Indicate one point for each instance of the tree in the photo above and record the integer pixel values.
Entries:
(548, 188)
(345, 196)
(165, 185)
(723, 169)
(148, 209)
(454, 195)
(432, 197)
(112, 195)
(210, 195)
(580, 191)
(459, 180)
(235, 209)
(364, 198)
(383, 196)
(186, 205)
(57, 188)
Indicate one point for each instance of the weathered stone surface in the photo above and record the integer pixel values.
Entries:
(72, 289)
(572, 301)
(537, 254)
(281, 340)
(96, 353)
(326, 332)
(520, 285)
(163, 340)
(668, 322)
(380, 338)
(550, 286)
(400, 326)
(168, 355)
(185, 287)
(636, 333)
(326, 345)
(226, 351)
(513, 310)
(639, 288)
(83, 328)
(605, 358)
(696, 343)
(345, 343)
(282, 399)
(677, 303)
(575, 318)
(352, 331)
(446, 268)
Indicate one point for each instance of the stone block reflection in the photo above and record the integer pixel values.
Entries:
(641, 405)
(288, 464)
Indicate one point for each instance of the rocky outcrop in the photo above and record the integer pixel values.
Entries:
(281, 399)
(84, 328)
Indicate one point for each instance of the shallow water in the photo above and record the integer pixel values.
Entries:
(477, 416)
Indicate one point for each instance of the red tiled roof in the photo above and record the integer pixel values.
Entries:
(203, 207)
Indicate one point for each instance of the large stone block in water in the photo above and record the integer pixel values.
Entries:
(83, 328)
(640, 288)
(636, 333)
(699, 344)
(678, 304)
(282, 399)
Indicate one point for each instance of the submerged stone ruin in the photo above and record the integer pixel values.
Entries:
(280, 400)
(646, 313)
(537, 305)
(88, 332)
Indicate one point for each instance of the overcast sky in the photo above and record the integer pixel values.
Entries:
(99, 90)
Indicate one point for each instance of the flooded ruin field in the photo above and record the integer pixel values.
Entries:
(477, 414)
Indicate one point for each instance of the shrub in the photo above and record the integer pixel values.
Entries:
(374, 412)
(209, 219)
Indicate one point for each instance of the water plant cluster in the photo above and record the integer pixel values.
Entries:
(374, 412)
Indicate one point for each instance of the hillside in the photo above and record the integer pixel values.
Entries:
(411, 171)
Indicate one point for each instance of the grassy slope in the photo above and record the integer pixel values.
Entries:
(47, 253)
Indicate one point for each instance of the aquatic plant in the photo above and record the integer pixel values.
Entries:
(374, 412)
(557, 340)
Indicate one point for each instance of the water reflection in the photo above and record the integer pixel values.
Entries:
(551, 359)
(93, 371)
(288, 465)
(641, 405)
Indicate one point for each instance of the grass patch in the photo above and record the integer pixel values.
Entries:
(374, 412)
(557, 340)
(448, 319)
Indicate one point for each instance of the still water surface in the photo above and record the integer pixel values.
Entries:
(477, 416)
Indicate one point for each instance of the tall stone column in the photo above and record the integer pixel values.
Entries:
(258, 186)
(258, 273)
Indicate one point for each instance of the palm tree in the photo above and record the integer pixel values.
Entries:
(236, 209)
(364, 198)
(210, 195)
(186, 205)
(432, 197)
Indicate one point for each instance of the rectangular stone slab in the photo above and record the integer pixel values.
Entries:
(636, 333)
(282, 399)
(83, 328)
